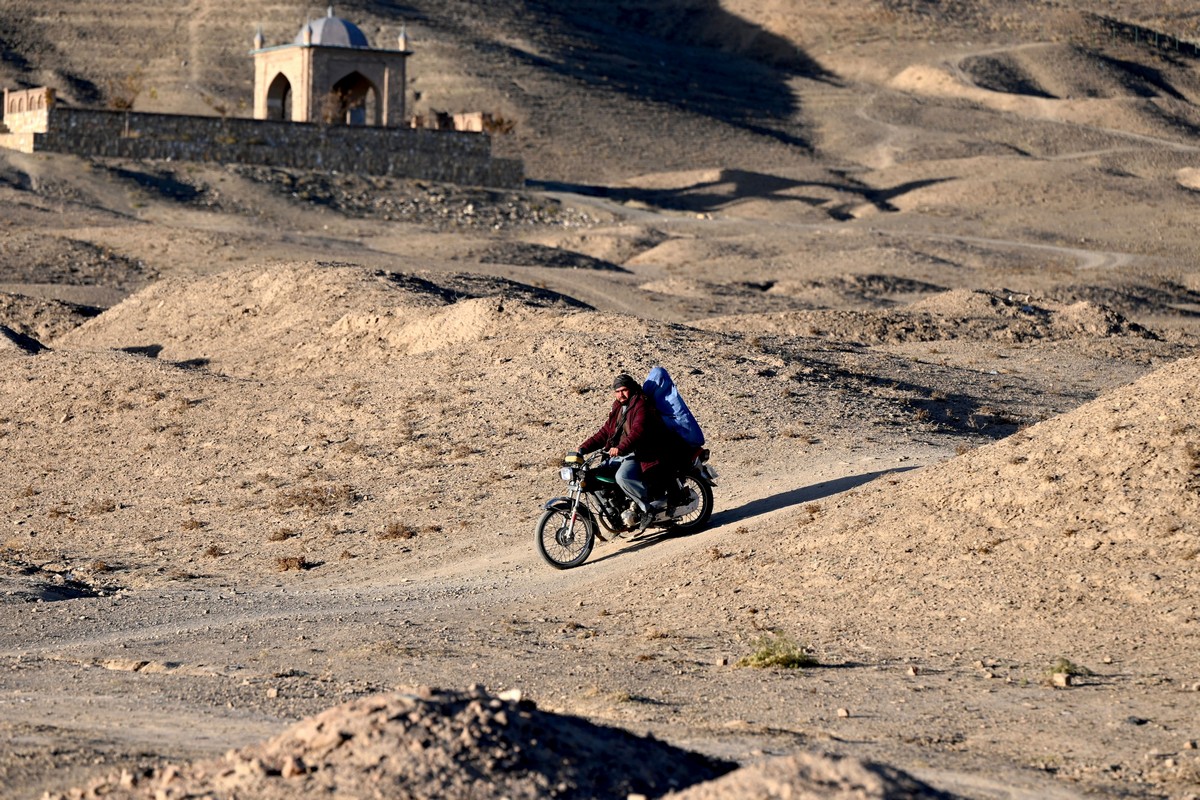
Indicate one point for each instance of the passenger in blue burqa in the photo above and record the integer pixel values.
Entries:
(674, 412)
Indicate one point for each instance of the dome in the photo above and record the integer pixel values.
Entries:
(331, 31)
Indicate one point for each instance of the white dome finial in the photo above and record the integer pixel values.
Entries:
(258, 39)
(403, 38)
(329, 12)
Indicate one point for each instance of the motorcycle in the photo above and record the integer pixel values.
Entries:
(568, 529)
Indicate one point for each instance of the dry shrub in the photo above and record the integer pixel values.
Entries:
(100, 507)
(346, 555)
(183, 404)
(315, 499)
(282, 534)
(192, 524)
(397, 530)
(292, 563)
(212, 551)
(777, 650)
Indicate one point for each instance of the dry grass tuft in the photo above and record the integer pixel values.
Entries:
(777, 650)
(283, 534)
(397, 530)
(192, 524)
(292, 563)
(315, 499)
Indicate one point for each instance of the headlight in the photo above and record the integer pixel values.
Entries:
(567, 474)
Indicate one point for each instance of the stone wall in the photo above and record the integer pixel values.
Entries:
(443, 156)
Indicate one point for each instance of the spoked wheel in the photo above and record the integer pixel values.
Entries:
(562, 544)
(694, 515)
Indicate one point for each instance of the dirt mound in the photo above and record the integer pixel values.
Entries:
(429, 743)
(958, 314)
(1064, 72)
(13, 342)
(42, 319)
(525, 254)
(28, 257)
(811, 776)
(614, 245)
(867, 289)
(298, 316)
(1002, 73)
(1088, 521)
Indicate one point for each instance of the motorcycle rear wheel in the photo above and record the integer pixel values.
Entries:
(698, 517)
(561, 544)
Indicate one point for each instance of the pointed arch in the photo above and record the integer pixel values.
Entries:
(279, 98)
(353, 100)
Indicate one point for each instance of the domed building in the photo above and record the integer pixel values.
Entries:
(330, 73)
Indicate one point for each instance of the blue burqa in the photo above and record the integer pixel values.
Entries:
(671, 408)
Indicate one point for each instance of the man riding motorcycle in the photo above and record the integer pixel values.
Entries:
(635, 435)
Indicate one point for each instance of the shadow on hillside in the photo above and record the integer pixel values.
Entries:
(732, 185)
(696, 57)
(795, 497)
(756, 508)
(25, 50)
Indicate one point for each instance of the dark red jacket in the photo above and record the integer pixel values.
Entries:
(643, 433)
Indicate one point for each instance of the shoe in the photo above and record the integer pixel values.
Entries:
(656, 506)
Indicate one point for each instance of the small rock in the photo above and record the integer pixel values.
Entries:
(1190, 744)
(272, 692)
(843, 712)
(511, 695)
(169, 773)
(292, 767)
(723, 661)
(1061, 679)
(914, 671)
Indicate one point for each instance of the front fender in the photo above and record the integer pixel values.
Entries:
(557, 502)
(564, 504)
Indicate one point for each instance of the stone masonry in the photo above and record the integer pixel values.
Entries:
(444, 156)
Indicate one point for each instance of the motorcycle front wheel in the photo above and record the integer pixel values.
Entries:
(562, 544)
(696, 514)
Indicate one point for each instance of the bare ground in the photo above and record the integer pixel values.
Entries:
(929, 284)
